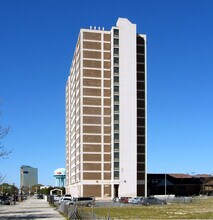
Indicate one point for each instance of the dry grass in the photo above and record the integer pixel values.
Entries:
(198, 209)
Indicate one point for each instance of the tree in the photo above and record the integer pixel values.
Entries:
(46, 191)
(36, 189)
(8, 189)
(3, 151)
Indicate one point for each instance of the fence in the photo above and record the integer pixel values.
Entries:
(174, 199)
(78, 212)
(179, 200)
(74, 212)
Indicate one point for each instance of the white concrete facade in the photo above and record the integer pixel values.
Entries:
(128, 108)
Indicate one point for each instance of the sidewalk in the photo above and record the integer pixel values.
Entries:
(31, 208)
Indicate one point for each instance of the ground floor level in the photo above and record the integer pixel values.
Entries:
(104, 190)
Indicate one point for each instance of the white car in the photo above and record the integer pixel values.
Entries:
(130, 200)
(137, 200)
(57, 198)
(66, 198)
(83, 201)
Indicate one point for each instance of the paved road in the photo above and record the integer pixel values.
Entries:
(31, 208)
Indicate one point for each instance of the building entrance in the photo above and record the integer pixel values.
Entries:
(116, 186)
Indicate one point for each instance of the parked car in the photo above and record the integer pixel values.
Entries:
(125, 199)
(40, 196)
(130, 200)
(5, 200)
(65, 198)
(116, 199)
(57, 198)
(84, 201)
(153, 201)
(138, 200)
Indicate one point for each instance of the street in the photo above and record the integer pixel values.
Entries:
(31, 208)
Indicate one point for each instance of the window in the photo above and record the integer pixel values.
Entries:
(116, 69)
(116, 32)
(116, 174)
(116, 98)
(140, 49)
(116, 136)
(116, 51)
(116, 127)
(116, 108)
(116, 146)
(116, 155)
(116, 41)
(116, 117)
(116, 60)
(116, 88)
(116, 79)
(116, 165)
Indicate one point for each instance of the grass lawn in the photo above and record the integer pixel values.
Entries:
(198, 209)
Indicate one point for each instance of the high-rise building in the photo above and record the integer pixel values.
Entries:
(106, 123)
(28, 176)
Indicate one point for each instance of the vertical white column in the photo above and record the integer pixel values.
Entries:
(81, 111)
(128, 108)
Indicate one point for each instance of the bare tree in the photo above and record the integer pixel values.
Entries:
(3, 151)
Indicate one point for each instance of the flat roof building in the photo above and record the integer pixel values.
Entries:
(106, 108)
(28, 176)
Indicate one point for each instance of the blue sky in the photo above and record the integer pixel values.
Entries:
(37, 39)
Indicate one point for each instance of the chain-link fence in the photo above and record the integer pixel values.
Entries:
(77, 212)
(179, 200)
